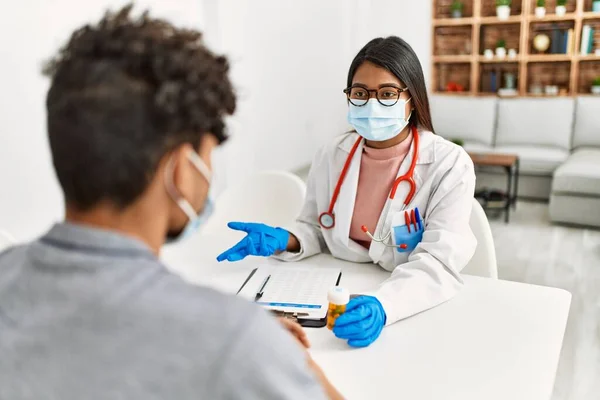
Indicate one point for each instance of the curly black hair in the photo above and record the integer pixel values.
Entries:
(125, 92)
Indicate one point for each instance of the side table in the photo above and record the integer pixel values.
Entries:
(510, 164)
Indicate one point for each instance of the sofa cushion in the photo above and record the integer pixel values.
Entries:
(587, 122)
(536, 160)
(532, 121)
(477, 147)
(580, 174)
(467, 118)
(575, 209)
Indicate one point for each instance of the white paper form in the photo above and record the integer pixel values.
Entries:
(293, 289)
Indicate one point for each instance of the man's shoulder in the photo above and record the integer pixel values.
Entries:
(203, 307)
(249, 353)
(13, 251)
(11, 259)
(231, 347)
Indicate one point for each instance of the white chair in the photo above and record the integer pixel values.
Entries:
(271, 197)
(6, 240)
(483, 262)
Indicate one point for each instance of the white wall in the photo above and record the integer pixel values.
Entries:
(30, 32)
(289, 62)
(411, 20)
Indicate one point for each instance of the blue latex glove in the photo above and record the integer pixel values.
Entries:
(261, 240)
(362, 322)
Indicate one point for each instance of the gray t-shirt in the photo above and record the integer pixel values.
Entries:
(91, 314)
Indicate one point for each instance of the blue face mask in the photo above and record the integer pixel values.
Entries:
(195, 219)
(194, 223)
(376, 122)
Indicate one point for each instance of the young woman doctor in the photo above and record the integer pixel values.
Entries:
(390, 192)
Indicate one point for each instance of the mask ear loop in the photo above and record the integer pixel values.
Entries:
(183, 204)
(200, 165)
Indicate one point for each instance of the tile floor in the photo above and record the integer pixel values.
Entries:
(530, 249)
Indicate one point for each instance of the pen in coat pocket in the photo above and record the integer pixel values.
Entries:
(413, 220)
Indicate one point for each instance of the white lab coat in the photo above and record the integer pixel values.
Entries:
(427, 276)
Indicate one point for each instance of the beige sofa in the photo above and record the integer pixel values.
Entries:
(575, 196)
(556, 139)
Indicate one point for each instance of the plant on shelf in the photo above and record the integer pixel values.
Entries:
(540, 8)
(596, 86)
(457, 141)
(501, 48)
(561, 7)
(503, 9)
(457, 8)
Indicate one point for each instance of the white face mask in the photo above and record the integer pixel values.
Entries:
(376, 122)
(195, 219)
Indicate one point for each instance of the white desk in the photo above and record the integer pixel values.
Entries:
(495, 340)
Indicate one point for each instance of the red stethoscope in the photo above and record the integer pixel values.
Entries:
(327, 219)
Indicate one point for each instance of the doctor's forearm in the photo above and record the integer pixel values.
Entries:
(293, 245)
(304, 240)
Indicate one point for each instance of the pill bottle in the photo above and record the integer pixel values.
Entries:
(338, 298)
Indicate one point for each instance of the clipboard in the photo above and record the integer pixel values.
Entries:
(296, 293)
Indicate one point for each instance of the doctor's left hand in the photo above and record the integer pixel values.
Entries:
(261, 240)
(362, 322)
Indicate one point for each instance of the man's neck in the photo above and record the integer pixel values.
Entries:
(132, 221)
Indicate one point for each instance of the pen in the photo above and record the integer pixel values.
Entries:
(407, 220)
(261, 291)
(418, 215)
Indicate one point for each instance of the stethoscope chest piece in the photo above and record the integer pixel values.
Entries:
(327, 220)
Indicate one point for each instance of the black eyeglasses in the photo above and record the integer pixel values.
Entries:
(386, 95)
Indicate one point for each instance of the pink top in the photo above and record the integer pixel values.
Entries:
(378, 171)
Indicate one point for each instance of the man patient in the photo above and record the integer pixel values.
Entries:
(87, 311)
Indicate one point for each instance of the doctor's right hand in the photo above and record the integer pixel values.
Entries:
(261, 240)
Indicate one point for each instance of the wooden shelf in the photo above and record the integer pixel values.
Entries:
(588, 70)
(591, 15)
(548, 57)
(496, 60)
(455, 93)
(546, 96)
(481, 29)
(513, 19)
(442, 9)
(453, 21)
(453, 59)
(553, 18)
